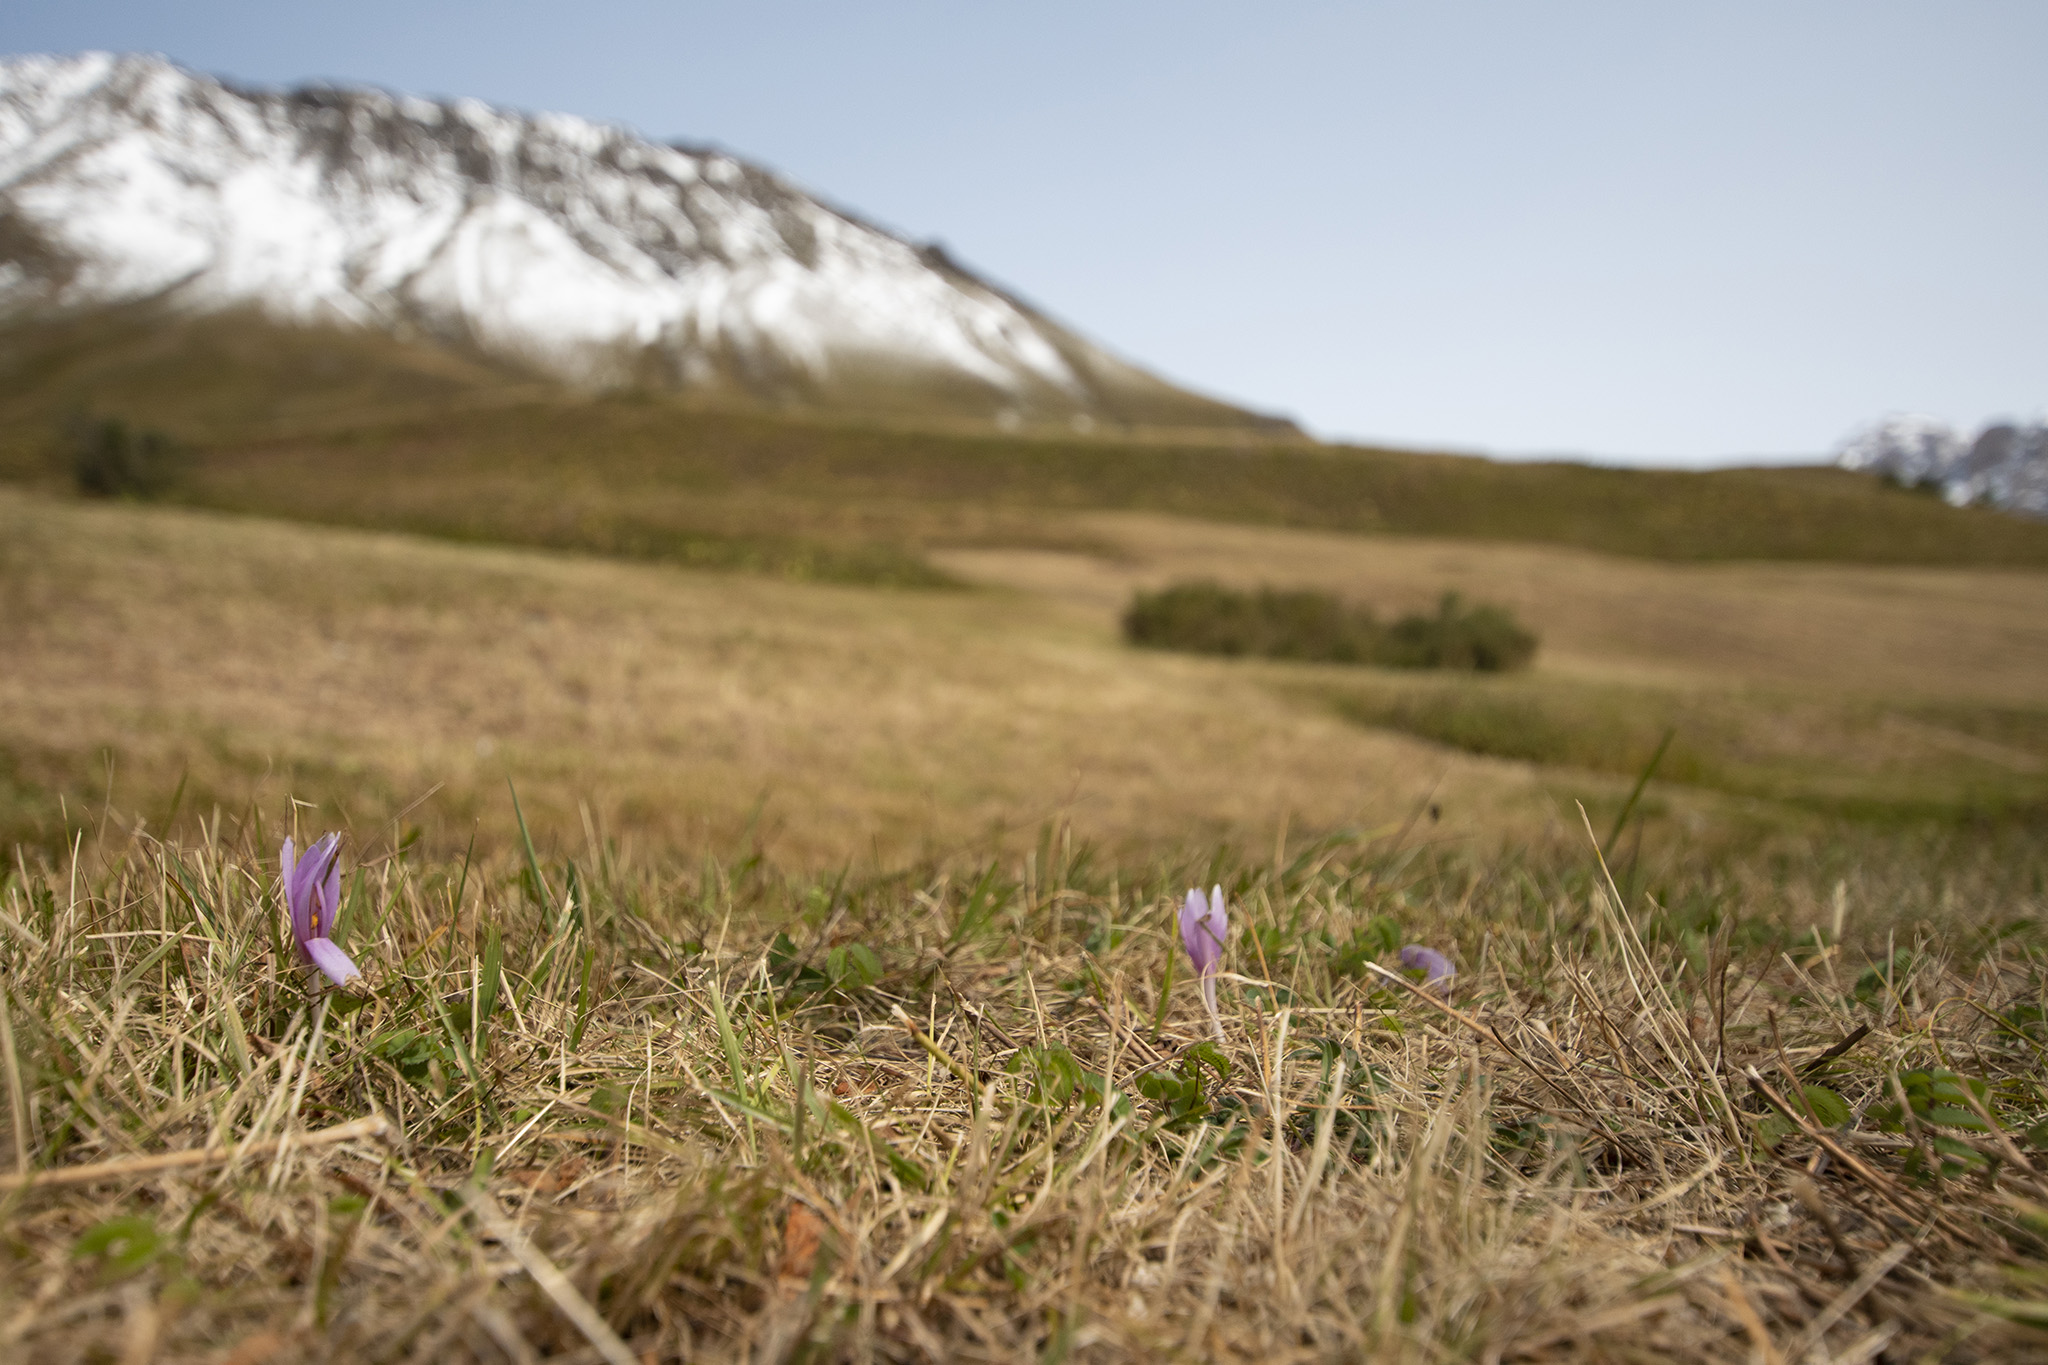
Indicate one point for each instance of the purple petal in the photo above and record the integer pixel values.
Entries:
(1203, 927)
(304, 870)
(331, 960)
(312, 887)
(1436, 968)
(329, 904)
(1217, 927)
(295, 892)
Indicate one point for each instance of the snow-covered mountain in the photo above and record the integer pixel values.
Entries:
(580, 249)
(2005, 466)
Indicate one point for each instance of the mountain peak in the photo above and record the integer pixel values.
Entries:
(577, 248)
(2005, 466)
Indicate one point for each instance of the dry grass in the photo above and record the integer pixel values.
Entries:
(819, 724)
(1888, 691)
(730, 1145)
(702, 1124)
(152, 647)
(1899, 633)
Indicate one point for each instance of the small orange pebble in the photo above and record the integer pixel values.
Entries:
(800, 1234)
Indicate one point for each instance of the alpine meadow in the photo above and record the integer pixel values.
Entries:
(644, 857)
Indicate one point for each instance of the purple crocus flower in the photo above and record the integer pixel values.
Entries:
(312, 892)
(1203, 928)
(1436, 969)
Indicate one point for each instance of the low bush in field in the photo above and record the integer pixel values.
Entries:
(1481, 636)
(110, 459)
(1208, 618)
(1275, 623)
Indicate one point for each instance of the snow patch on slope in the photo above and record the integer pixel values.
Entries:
(2004, 466)
(576, 245)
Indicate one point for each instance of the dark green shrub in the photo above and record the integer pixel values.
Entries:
(1482, 637)
(1208, 618)
(110, 459)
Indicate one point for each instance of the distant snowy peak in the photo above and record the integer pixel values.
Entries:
(2006, 466)
(576, 247)
(1905, 446)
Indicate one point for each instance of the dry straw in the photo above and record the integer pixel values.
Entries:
(947, 1116)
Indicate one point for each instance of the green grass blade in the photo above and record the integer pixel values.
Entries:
(540, 882)
(1628, 807)
(735, 1060)
(583, 1000)
(487, 988)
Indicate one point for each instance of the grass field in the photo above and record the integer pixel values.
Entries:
(1881, 689)
(822, 998)
(245, 659)
(252, 659)
(834, 1016)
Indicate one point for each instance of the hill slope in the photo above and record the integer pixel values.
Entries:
(350, 426)
(578, 250)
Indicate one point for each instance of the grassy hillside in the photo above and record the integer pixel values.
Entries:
(837, 1012)
(1895, 690)
(1868, 688)
(354, 429)
(152, 647)
(240, 657)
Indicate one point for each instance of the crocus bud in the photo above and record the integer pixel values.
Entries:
(1204, 927)
(1436, 969)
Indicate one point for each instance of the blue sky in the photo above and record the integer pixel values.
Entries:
(1643, 232)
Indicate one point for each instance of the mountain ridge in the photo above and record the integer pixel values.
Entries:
(577, 248)
(350, 426)
(2004, 466)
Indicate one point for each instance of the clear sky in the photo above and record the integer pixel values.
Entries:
(1634, 231)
